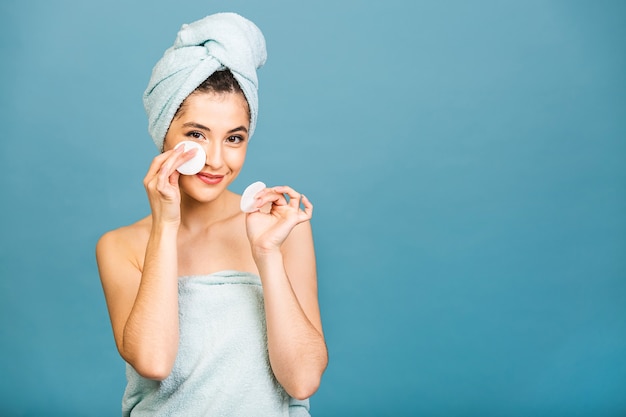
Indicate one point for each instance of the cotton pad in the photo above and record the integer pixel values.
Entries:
(247, 198)
(195, 164)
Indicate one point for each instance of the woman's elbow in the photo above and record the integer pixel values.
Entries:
(304, 389)
(306, 384)
(156, 369)
(156, 373)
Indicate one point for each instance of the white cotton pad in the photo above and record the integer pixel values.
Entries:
(195, 164)
(247, 198)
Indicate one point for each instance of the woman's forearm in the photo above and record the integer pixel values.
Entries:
(297, 350)
(150, 340)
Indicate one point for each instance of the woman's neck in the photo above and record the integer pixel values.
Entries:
(197, 215)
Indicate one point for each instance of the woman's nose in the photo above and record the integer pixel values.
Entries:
(214, 155)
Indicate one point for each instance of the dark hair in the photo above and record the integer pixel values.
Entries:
(219, 82)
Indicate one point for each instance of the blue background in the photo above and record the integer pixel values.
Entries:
(467, 165)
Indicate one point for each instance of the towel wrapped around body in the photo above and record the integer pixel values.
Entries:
(222, 366)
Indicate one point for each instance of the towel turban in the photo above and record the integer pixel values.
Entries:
(216, 42)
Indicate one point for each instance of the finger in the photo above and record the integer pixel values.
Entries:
(178, 159)
(166, 174)
(169, 174)
(268, 195)
(166, 177)
(156, 165)
(294, 196)
(167, 169)
(169, 161)
(307, 210)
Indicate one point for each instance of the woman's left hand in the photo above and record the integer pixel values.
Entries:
(268, 230)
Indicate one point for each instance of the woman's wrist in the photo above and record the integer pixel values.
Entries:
(165, 228)
(265, 257)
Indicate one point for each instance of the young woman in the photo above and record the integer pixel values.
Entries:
(214, 310)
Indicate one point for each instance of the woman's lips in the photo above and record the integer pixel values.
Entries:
(209, 178)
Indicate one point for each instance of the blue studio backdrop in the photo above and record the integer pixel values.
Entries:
(467, 164)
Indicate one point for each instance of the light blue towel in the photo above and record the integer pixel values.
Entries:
(222, 367)
(216, 42)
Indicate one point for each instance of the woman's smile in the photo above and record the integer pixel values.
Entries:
(209, 178)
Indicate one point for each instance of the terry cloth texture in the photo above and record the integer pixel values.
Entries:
(216, 42)
(222, 367)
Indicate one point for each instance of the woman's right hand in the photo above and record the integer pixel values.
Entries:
(161, 183)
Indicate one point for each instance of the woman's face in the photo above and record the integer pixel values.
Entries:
(219, 122)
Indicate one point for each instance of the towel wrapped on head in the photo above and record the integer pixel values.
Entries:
(214, 43)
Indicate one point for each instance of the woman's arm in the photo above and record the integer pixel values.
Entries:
(143, 299)
(143, 307)
(284, 253)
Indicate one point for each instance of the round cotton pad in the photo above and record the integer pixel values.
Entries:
(195, 164)
(247, 198)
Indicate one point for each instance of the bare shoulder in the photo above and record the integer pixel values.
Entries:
(120, 254)
(125, 243)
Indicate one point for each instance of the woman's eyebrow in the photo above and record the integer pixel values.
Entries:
(196, 125)
(203, 127)
(237, 129)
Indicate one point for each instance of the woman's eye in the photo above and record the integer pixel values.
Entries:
(234, 139)
(195, 135)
